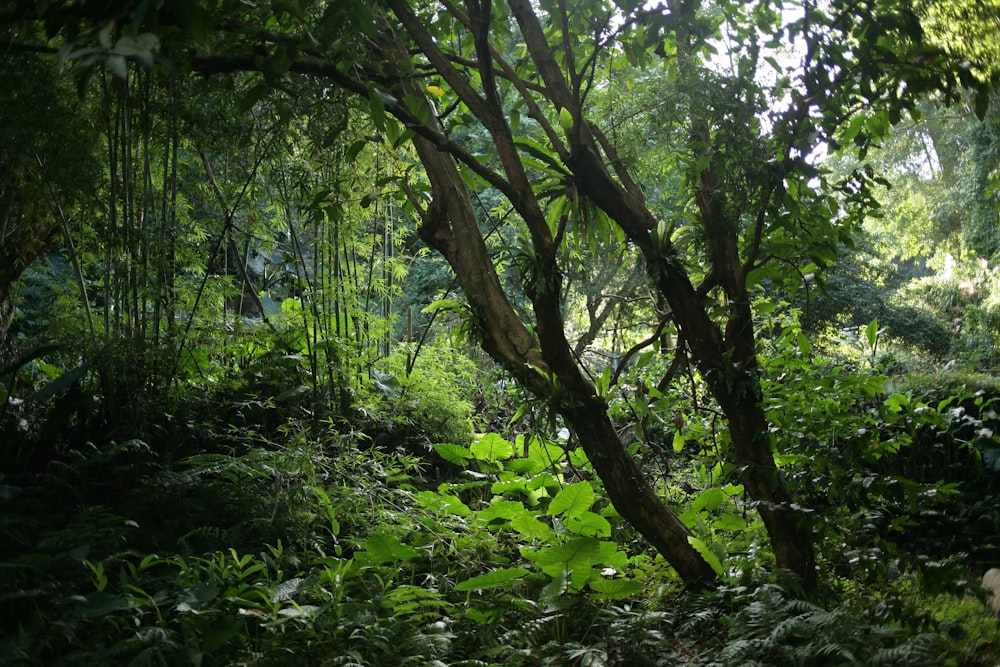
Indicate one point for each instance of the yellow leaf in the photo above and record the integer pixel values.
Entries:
(566, 119)
(435, 90)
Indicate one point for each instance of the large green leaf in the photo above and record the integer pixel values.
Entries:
(59, 385)
(706, 553)
(531, 528)
(709, 499)
(616, 589)
(494, 579)
(525, 467)
(443, 502)
(453, 453)
(589, 524)
(491, 448)
(573, 500)
(545, 453)
(501, 509)
(388, 549)
(576, 555)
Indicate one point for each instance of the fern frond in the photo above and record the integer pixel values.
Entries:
(922, 649)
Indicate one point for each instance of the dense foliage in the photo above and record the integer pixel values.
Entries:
(499, 333)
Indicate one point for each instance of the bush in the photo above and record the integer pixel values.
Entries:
(411, 413)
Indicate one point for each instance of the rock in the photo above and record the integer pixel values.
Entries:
(991, 582)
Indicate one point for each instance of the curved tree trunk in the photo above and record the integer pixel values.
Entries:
(449, 225)
(727, 360)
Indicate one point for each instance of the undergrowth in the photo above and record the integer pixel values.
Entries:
(314, 553)
(323, 540)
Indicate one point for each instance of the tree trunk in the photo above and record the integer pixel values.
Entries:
(551, 371)
(449, 225)
(786, 524)
(545, 364)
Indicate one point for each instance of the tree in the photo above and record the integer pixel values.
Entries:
(44, 175)
(751, 204)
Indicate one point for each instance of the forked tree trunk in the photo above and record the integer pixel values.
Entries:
(546, 364)
(449, 225)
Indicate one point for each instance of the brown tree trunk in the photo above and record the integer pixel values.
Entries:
(786, 524)
(727, 360)
(546, 364)
(449, 225)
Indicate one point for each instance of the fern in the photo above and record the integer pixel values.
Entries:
(776, 629)
(531, 632)
(919, 650)
(415, 603)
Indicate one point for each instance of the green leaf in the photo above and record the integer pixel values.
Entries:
(388, 549)
(871, 333)
(706, 553)
(566, 120)
(376, 108)
(553, 596)
(543, 154)
(453, 453)
(251, 97)
(99, 604)
(589, 524)
(355, 149)
(803, 342)
(501, 509)
(494, 579)
(897, 402)
(709, 499)
(678, 442)
(59, 385)
(38, 352)
(386, 384)
(573, 500)
(576, 555)
(442, 502)
(491, 448)
(509, 485)
(762, 308)
(525, 466)
(578, 458)
(445, 305)
(616, 589)
(545, 453)
(730, 521)
(288, 589)
(531, 528)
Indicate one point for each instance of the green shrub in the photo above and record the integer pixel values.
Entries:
(411, 413)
